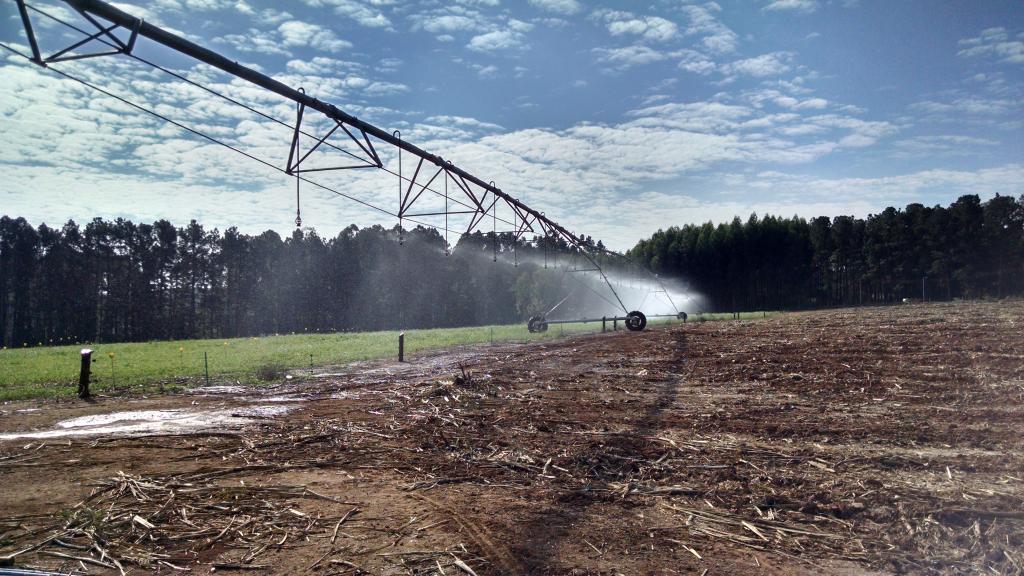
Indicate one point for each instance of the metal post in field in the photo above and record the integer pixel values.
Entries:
(604, 324)
(83, 373)
(206, 367)
(401, 346)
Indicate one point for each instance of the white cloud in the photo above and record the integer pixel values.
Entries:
(804, 6)
(566, 7)
(361, 13)
(796, 104)
(789, 101)
(489, 71)
(385, 89)
(296, 33)
(629, 56)
(254, 41)
(446, 23)
(994, 42)
(971, 105)
(893, 190)
(693, 61)
(552, 22)
(771, 64)
(270, 16)
(498, 40)
(653, 28)
(943, 144)
(465, 123)
(715, 36)
(519, 25)
(322, 65)
(289, 34)
(490, 33)
(388, 65)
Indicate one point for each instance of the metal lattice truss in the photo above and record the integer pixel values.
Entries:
(420, 189)
(347, 143)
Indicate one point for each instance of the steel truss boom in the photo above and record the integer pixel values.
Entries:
(527, 215)
(482, 198)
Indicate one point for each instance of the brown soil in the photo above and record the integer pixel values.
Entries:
(877, 440)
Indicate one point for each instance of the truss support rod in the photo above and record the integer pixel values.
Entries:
(207, 56)
(37, 57)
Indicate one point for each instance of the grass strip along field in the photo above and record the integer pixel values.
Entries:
(52, 371)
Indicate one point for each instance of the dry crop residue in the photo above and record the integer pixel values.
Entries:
(877, 440)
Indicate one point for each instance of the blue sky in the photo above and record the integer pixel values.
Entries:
(615, 118)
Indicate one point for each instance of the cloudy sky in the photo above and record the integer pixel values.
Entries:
(615, 118)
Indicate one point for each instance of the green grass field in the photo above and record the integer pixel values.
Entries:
(52, 372)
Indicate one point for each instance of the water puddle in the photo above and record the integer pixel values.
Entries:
(140, 422)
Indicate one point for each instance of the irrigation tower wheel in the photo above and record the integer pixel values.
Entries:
(537, 324)
(636, 321)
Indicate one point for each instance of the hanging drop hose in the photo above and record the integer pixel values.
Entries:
(298, 209)
(494, 231)
(401, 232)
(515, 239)
(447, 246)
(298, 181)
(562, 301)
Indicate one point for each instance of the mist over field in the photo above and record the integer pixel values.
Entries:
(122, 281)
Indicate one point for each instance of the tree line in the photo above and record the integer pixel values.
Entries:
(970, 249)
(122, 281)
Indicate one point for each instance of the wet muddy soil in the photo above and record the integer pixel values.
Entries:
(876, 440)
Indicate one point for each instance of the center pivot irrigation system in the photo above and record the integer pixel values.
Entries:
(334, 134)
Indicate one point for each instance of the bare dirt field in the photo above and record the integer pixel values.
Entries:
(868, 441)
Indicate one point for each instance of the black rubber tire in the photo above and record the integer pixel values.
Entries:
(537, 324)
(636, 321)
(682, 316)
